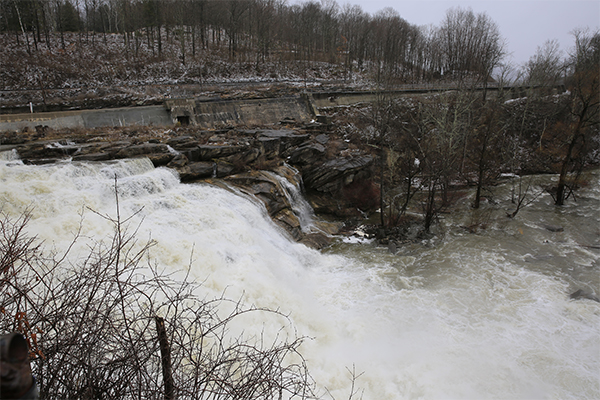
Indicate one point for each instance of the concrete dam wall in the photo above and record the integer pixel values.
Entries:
(219, 113)
(146, 115)
(205, 114)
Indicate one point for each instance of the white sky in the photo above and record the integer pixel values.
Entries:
(525, 24)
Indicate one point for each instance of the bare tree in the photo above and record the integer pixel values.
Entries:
(546, 66)
(443, 123)
(584, 84)
(524, 195)
(471, 46)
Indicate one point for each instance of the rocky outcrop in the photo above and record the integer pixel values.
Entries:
(211, 152)
(197, 171)
(267, 189)
(307, 154)
(332, 175)
(286, 138)
(248, 159)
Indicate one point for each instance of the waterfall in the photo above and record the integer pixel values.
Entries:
(11, 155)
(475, 316)
(293, 192)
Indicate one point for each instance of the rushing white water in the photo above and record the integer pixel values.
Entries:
(300, 206)
(472, 316)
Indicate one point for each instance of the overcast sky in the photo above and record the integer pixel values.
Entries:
(525, 24)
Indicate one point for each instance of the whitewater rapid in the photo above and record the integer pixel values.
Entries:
(467, 317)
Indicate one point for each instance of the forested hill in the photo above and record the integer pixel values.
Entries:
(76, 42)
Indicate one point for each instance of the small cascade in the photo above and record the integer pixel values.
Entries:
(10, 155)
(293, 192)
(173, 151)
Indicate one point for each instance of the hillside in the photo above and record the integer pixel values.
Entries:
(97, 73)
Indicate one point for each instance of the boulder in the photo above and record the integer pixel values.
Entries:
(196, 171)
(210, 152)
(144, 149)
(307, 154)
(287, 138)
(581, 294)
(332, 175)
(179, 161)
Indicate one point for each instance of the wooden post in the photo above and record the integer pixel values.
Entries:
(165, 355)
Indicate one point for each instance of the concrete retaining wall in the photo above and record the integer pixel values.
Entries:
(215, 114)
(147, 115)
(341, 98)
(205, 114)
(336, 99)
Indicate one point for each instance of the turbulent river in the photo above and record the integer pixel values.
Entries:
(466, 316)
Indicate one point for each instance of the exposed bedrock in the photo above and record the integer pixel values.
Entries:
(250, 160)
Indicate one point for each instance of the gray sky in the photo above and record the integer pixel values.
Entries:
(525, 24)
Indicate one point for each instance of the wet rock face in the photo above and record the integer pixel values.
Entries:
(316, 240)
(269, 190)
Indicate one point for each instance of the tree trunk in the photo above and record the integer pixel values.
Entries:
(165, 355)
(482, 166)
(429, 207)
(23, 29)
(159, 42)
(562, 180)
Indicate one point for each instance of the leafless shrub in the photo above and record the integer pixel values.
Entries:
(92, 334)
(354, 391)
(523, 196)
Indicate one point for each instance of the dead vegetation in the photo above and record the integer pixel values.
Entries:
(92, 326)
